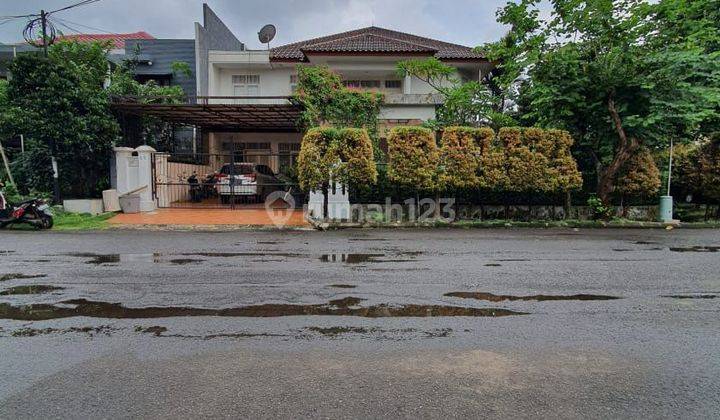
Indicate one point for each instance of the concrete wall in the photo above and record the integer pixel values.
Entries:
(517, 213)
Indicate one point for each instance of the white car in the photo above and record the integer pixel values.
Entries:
(246, 179)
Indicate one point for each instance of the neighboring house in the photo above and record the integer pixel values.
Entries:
(365, 58)
(116, 41)
(154, 61)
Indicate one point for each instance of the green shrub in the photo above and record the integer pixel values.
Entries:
(413, 157)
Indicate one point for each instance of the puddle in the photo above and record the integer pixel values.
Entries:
(239, 254)
(100, 259)
(30, 290)
(693, 296)
(20, 276)
(350, 258)
(646, 243)
(493, 265)
(499, 298)
(103, 259)
(698, 248)
(341, 307)
(156, 330)
(365, 258)
(185, 261)
(333, 331)
(2, 252)
(268, 242)
(343, 286)
(368, 239)
(91, 331)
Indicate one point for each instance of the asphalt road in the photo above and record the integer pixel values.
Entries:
(365, 323)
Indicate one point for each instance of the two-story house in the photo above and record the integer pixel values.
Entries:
(366, 58)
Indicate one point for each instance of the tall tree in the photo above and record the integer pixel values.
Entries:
(595, 69)
(59, 104)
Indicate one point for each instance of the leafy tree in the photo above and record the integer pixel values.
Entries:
(599, 69)
(464, 104)
(60, 106)
(329, 155)
(326, 101)
(313, 166)
(147, 130)
(709, 169)
(640, 177)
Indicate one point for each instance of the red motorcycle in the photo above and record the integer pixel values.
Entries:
(35, 212)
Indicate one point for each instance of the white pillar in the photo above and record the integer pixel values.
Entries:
(144, 177)
(122, 169)
(407, 84)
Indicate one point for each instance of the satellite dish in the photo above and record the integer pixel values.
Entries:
(267, 33)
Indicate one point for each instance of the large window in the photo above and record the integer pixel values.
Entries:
(362, 84)
(246, 84)
(293, 82)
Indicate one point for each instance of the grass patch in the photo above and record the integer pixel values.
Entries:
(72, 221)
(81, 221)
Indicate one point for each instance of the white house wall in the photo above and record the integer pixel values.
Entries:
(275, 79)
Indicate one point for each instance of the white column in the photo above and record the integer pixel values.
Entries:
(144, 177)
(407, 84)
(122, 169)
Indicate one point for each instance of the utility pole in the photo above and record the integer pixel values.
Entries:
(56, 181)
(43, 19)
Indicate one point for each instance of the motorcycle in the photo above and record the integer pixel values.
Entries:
(196, 190)
(35, 212)
(201, 190)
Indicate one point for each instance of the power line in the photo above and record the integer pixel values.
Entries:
(66, 21)
(31, 15)
(82, 3)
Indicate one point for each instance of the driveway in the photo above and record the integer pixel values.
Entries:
(361, 323)
(250, 216)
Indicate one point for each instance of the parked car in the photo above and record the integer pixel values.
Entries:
(248, 180)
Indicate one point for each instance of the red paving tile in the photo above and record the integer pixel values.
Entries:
(252, 216)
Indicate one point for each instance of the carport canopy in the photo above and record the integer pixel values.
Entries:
(280, 116)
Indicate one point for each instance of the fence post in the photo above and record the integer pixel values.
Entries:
(161, 180)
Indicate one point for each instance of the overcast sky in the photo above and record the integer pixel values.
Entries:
(468, 22)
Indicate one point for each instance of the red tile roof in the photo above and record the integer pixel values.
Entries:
(117, 40)
(376, 40)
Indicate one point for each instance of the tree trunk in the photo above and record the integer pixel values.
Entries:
(326, 199)
(626, 147)
(568, 204)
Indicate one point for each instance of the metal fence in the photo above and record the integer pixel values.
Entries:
(244, 178)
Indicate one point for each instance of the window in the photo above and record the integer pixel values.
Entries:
(246, 84)
(362, 84)
(393, 84)
(293, 82)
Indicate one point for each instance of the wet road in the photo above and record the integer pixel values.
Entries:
(396, 323)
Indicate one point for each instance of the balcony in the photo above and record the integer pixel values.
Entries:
(413, 99)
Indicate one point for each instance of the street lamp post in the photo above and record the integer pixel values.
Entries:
(666, 201)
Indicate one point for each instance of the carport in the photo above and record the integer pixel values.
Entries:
(249, 147)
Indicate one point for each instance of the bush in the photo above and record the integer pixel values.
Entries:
(459, 158)
(354, 149)
(413, 157)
